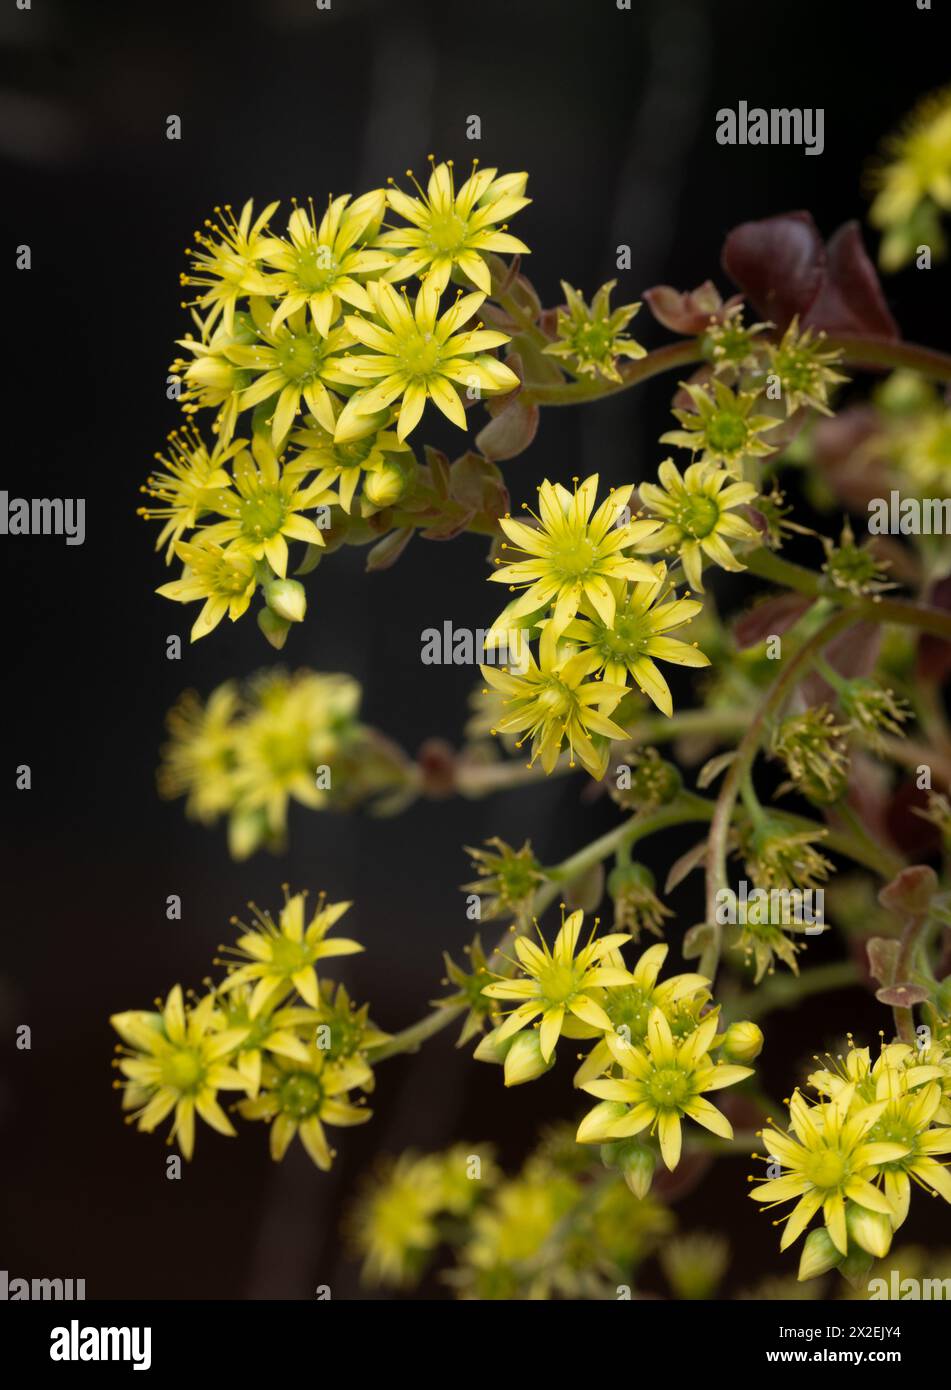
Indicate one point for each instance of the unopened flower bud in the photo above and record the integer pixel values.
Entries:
(524, 1060)
(819, 1255)
(287, 598)
(743, 1042)
(274, 628)
(386, 484)
(872, 1230)
(637, 1163)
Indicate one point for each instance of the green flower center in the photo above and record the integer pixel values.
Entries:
(316, 268)
(592, 340)
(226, 579)
(299, 358)
(698, 515)
(627, 639)
(554, 700)
(262, 515)
(300, 1095)
(826, 1169)
(420, 353)
(447, 233)
(669, 1087)
(727, 433)
(287, 957)
(575, 559)
(182, 1070)
(558, 982)
(629, 1007)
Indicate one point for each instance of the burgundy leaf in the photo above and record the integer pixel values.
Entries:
(850, 298)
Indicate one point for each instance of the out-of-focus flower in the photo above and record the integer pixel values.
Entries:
(913, 183)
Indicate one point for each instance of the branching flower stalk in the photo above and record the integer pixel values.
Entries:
(322, 348)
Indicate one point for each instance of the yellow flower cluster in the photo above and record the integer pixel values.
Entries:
(292, 1044)
(248, 752)
(651, 1065)
(307, 333)
(853, 1154)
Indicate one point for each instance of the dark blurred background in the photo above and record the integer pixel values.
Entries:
(612, 113)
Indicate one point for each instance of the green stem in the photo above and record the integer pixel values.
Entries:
(741, 764)
(663, 359)
(858, 351)
(768, 565)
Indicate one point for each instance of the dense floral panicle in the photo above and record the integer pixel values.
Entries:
(322, 263)
(591, 337)
(722, 427)
(264, 505)
(177, 1060)
(302, 1097)
(452, 229)
(559, 983)
(414, 354)
(223, 579)
(913, 183)
(637, 637)
(556, 702)
(225, 254)
(661, 1083)
(572, 553)
(697, 511)
(282, 956)
(182, 490)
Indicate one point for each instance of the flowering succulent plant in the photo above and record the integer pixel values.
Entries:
(325, 345)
